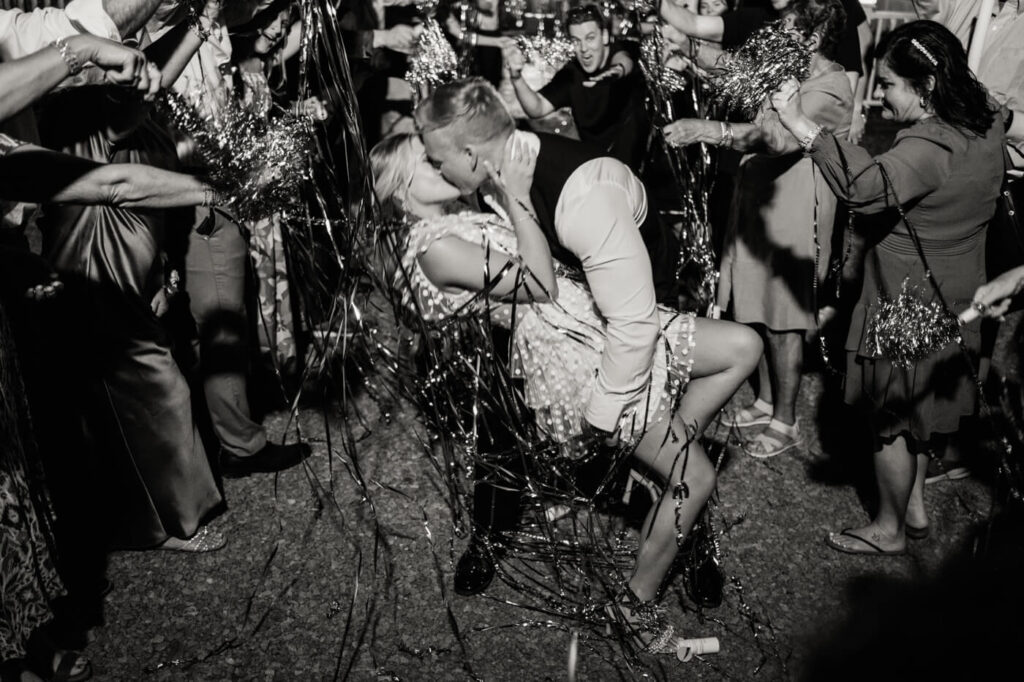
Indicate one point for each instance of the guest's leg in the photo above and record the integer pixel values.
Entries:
(764, 380)
(725, 355)
(785, 356)
(917, 513)
(895, 471)
(56, 377)
(215, 282)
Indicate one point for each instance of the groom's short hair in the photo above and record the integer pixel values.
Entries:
(472, 107)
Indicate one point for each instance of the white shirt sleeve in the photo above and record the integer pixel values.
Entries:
(22, 33)
(597, 218)
(92, 18)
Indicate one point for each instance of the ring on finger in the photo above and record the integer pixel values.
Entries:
(980, 306)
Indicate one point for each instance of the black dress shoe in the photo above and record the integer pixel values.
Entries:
(475, 570)
(271, 458)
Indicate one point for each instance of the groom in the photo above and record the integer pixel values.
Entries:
(594, 212)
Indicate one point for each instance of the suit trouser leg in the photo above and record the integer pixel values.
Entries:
(215, 281)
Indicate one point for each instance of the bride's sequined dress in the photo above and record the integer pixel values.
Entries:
(558, 345)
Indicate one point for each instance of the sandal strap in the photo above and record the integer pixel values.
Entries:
(791, 430)
(848, 532)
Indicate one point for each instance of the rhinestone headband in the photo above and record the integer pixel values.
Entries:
(925, 52)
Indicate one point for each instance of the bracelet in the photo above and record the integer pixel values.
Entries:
(69, 57)
(210, 197)
(727, 135)
(526, 209)
(807, 140)
(514, 76)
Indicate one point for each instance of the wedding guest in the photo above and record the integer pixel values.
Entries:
(944, 172)
(602, 86)
(135, 400)
(778, 245)
(378, 35)
(216, 264)
(28, 173)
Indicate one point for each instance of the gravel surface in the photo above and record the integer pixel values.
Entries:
(306, 590)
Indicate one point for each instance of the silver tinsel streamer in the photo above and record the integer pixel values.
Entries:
(434, 62)
(757, 68)
(550, 53)
(259, 166)
(692, 170)
(908, 329)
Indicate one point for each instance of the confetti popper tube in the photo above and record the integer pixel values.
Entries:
(688, 648)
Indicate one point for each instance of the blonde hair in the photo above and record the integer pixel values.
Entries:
(392, 162)
(471, 106)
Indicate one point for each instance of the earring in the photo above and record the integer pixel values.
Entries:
(924, 105)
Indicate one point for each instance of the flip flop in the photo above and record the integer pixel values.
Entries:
(917, 533)
(874, 550)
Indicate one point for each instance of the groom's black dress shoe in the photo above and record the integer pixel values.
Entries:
(271, 458)
(475, 570)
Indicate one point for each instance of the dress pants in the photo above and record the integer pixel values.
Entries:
(215, 281)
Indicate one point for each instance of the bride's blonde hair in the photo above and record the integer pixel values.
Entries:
(392, 162)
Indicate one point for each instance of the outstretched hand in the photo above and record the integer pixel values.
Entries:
(513, 58)
(121, 65)
(994, 298)
(686, 131)
(613, 72)
(516, 174)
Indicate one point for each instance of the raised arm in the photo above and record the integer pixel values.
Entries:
(598, 226)
(37, 175)
(690, 24)
(914, 166)
(534, 104)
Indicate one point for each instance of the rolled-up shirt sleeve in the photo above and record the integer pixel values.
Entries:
(597, 218)
(90, 16)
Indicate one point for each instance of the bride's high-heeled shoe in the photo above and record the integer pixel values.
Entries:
(643, 624)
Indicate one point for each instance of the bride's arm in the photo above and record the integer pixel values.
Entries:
(453, 263)
(456, 263)
(514, 181)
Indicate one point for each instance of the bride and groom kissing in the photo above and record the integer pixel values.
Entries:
(632, 371)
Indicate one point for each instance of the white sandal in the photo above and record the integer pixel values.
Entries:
(758, 414)
(765, 445)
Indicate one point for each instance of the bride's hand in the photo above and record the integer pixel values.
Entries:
(516, 174)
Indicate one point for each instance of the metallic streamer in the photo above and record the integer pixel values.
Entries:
(907, 329)
(545, 52)
(434, 62)
(259, 166)
(757, 68)
(693, 172)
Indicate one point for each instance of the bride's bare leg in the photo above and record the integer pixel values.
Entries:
(724, 356)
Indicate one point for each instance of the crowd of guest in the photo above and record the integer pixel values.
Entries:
(117, 255)
(109, 232)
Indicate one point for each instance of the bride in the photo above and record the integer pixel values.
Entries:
(559, 337)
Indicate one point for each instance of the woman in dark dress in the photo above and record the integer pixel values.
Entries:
(944, 170)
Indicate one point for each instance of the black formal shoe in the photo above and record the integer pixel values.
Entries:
(475, 570)
(271, 458)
